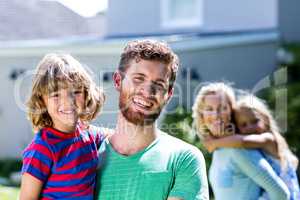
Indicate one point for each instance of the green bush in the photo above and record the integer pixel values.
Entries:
(7, 166)
(292, 86)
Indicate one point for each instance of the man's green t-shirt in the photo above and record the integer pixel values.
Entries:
(168, 167)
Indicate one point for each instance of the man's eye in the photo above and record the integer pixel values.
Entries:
(138, 79)
(159, 87)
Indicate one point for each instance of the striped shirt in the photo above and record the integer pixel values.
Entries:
(65, 163)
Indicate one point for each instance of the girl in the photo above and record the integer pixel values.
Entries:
(239, 174)
(60, 162)
(256, 123)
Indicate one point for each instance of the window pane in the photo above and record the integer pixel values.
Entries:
(182, 9)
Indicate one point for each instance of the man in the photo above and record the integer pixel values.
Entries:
(142, 162)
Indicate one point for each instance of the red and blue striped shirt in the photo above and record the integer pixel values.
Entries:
(65, 163)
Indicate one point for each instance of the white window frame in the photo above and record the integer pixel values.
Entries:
(167, 23)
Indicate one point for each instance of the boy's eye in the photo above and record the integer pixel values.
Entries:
(78, 92)
(54, 95)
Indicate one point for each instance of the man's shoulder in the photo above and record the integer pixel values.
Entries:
(177, 145)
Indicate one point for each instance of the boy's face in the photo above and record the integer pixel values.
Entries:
(144, 90)
(249, 121)
(64, 107)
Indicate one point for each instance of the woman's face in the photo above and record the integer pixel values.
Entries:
(216, 113)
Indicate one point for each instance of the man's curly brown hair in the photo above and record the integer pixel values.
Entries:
(150, 50)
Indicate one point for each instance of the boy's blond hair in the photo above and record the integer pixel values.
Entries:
(208, 89)
(56, 71)
(258, 105)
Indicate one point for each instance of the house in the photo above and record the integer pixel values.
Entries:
(44, 19)
(228, 40)
(289, 20)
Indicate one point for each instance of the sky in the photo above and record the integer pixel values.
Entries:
(86, 8)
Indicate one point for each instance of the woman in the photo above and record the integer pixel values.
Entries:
(240, 174)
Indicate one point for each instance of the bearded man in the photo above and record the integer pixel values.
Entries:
(142, 162)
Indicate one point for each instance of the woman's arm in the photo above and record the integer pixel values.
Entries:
(30, 187)
(266, 141)
(256, 167)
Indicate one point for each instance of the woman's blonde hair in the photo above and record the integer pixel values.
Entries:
(252, 102)
(208, 89)
(56, 71)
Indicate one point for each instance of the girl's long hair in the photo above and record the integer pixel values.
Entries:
(254, 103)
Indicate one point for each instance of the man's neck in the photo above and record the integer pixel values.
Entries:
(129, 138)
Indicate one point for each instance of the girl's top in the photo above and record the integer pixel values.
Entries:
(65, 162)
(288, 175)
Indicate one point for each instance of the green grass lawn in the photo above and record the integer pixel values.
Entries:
(9, 193)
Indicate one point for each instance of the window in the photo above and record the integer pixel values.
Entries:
(181, 13)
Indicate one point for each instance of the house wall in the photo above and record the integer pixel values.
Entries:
(15, 131)
(289, 20)
(133, 17)
(235, 15)
(145, 17)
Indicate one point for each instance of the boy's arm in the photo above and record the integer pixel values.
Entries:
(266, 141)
(30, 187)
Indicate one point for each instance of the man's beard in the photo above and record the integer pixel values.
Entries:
(136, 117)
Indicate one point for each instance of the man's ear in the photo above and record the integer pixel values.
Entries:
(170, 93)
(117, 78)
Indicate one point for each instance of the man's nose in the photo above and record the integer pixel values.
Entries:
(148, 89)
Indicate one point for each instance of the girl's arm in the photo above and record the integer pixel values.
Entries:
(265, 141)
(30, 187)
